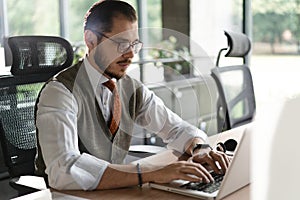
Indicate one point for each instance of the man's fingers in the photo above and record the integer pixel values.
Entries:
(221, 159)
(212, 158)
(207, 159)
(198, 171)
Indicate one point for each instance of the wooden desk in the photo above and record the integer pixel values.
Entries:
(146, 192)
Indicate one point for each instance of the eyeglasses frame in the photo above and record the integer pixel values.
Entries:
(131, 45)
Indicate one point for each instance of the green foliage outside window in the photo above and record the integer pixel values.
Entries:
(32, 17)
(37, 17)
(276, 22)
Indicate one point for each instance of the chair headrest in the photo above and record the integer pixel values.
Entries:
(239, 44)
(39, 54)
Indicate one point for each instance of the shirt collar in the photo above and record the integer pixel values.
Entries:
(96, 78)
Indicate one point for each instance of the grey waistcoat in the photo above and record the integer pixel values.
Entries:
(93, 133)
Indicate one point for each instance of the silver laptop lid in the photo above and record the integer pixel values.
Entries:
(235, 178)
(238, 174)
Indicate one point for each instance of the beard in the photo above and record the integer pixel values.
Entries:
(107, 66)
(112, 74)
(120, 72)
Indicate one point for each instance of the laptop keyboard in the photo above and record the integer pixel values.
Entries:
(206, 187)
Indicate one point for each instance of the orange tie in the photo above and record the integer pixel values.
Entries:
(116, 112)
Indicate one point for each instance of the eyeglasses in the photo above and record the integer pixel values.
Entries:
(124, 47)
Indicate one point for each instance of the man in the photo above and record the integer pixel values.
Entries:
(83, 137)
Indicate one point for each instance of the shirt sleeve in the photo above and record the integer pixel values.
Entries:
(66, 167)
(157, 118)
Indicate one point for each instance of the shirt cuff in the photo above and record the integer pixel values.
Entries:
(183, 138)
(87, 171)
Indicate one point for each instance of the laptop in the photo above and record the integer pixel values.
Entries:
(237, 176)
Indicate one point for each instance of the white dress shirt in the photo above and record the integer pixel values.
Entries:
(57, 112)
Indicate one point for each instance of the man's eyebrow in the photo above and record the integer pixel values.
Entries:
(122, 39)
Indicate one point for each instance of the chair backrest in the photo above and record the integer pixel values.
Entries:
(35, 60)
(17, 127)
(39, 54)
(236, 104)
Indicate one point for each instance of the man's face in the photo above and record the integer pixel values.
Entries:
(107, 56)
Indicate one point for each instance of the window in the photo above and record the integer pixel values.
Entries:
(275, 52)
(77, 10)
(208, 21)
(32, 17)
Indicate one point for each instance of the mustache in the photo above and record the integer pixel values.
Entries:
(126, 61)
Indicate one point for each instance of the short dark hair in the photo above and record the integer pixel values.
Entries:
(100, 16)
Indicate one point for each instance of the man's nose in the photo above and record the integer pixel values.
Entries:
(129, 53)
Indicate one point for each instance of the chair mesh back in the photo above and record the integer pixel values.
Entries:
(35, 60)
(236, 102)
(18, 128)
(236, 94)
(39, 54)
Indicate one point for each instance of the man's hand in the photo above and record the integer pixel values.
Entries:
(184, 170)
(212, 159)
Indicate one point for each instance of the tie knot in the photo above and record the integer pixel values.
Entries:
(110, 84)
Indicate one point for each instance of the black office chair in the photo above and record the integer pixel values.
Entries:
(35, 60)
(39, 54)
(236, 104)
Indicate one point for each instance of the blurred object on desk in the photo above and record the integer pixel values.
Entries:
(2, 59)
(4, 68)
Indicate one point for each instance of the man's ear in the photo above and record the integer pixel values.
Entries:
(90, 39)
